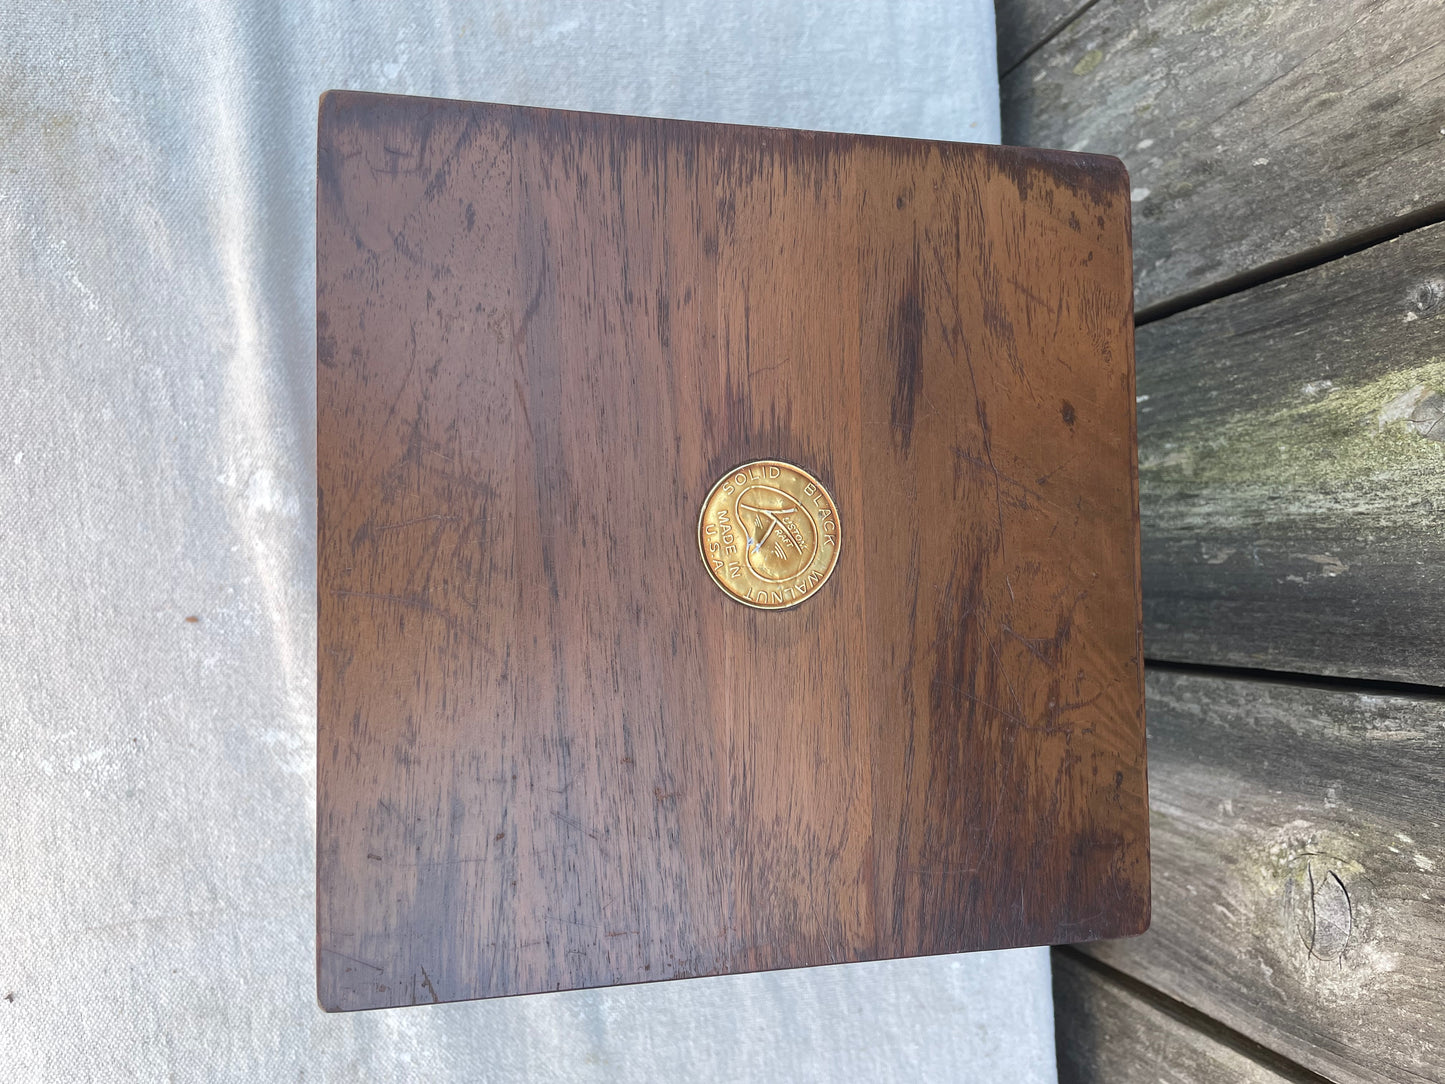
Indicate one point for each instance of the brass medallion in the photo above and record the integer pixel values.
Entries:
(768, 533)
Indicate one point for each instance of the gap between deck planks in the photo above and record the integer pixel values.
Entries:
(1026, 25)
(1112, 1028)
(1252, 131)
(1299, 868)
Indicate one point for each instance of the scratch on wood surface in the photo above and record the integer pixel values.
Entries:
(577, 825)
(353, 959)
(434, 517)
(401, 600)
(958, 689)
(999, 477)
(1031, 645)
(424, 605)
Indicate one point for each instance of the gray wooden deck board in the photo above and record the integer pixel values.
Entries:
(1299, 871)
(1107, 1035)
(1252, 131)
(1292, 471)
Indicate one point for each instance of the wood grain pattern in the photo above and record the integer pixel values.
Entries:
(551, 753)
(1253, 131)
(1299, 865)
(1292, 470)
(1108, 1035)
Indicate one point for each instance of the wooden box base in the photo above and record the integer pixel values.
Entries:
(552, 753)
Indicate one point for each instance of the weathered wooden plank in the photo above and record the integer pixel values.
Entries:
(1252, 130)
(1107, 1035)
(1292, 470)
(1023, 24)
(1299, 868)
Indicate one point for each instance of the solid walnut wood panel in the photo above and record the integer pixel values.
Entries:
(1299, 865)
(552, 754)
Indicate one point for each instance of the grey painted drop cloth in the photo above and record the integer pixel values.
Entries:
(157, 626)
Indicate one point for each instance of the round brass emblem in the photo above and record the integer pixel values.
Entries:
(768, 533)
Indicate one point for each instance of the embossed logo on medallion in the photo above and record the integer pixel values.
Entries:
(768, 533)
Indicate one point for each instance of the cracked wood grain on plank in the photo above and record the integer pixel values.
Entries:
(1299, 869)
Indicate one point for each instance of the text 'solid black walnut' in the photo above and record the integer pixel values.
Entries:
(552, 752)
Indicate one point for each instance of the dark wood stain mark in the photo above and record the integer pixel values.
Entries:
(1096, 178)
(905, 342)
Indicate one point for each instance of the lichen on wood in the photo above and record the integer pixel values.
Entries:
(1291, 479)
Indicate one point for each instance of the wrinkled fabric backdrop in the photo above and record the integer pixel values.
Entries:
(157, 472)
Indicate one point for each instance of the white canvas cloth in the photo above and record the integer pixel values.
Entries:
(157, 406)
